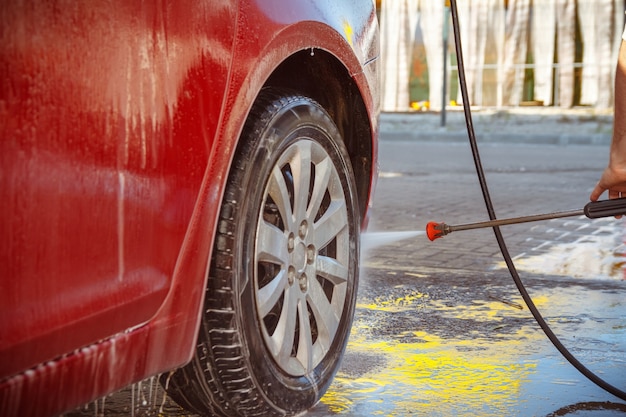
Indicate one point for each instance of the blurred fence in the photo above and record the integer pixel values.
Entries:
(516, 52)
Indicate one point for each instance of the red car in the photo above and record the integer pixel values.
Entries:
(182, 189)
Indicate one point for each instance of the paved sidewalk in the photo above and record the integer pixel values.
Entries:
(435, 180)
(540, 125)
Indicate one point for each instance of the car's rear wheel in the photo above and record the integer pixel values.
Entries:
(284, 271)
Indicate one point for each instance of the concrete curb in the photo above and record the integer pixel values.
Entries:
(520, 125)
(535, 139)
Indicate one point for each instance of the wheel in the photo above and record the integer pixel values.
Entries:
(284, 271)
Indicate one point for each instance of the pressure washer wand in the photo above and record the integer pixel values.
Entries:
(593, 210)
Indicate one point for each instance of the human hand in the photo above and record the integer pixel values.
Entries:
(612, 179)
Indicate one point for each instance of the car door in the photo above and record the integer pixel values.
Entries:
(108, 112)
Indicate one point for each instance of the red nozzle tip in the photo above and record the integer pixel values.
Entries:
(434, 231)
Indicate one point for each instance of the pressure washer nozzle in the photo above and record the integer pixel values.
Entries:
(436, 230)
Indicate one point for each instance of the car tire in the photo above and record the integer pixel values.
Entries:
(282, 285)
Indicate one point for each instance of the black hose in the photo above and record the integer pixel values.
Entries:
(492, 216)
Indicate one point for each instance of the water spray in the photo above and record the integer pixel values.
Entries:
(435, 230)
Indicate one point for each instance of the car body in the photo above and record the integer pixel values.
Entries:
(120, 121)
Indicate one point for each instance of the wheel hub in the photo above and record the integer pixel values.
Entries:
(299, 257)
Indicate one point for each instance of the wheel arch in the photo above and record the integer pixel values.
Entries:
(319, 75)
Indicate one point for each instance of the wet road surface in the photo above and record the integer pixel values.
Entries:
(440, 329)
(441, 326)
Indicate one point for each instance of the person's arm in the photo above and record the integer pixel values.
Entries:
(613, 178)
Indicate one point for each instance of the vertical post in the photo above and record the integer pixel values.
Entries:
(446, 14)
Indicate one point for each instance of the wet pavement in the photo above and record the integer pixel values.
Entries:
(442, 326)
(440, 329)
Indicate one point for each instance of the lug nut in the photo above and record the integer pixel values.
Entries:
(303, 283)
(303, 229)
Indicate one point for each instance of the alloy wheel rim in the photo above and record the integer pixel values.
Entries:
(301, 257)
